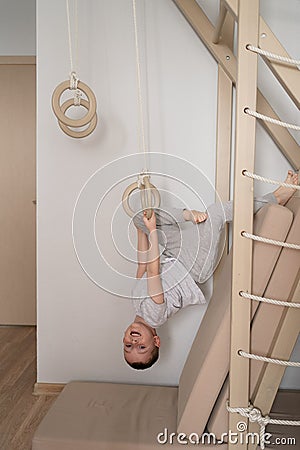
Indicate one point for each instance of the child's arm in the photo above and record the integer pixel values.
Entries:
(143, 246)
(155, 289)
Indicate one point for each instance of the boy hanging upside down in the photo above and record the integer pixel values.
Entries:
(166, 285)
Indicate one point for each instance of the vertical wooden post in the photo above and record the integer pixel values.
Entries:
(223, 135)
(224, 118)
(223, 154)
(224, 131)
(248, 19)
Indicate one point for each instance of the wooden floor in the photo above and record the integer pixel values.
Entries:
(20, 411)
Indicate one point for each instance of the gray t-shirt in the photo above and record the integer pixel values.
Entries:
(180, 290)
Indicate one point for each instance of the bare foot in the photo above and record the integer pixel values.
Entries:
(195, 216)
(283, 194)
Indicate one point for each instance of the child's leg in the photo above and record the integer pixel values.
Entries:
(284, 193)
(259, 202)
(222, 212)
(280, 196)
(210, 234)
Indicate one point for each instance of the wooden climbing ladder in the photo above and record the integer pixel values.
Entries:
(242, 72)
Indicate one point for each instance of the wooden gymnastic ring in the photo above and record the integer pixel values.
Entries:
(132, 187)
(146, 196)
(77, 134)
(65, 85)
(128, 191)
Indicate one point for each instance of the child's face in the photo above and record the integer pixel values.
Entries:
(139, 341)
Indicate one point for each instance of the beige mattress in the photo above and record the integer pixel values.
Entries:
(106, 416)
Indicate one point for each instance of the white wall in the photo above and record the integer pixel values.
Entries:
(80, 325)
(17, 27)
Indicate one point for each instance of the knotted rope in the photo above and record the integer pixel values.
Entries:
(255, 415)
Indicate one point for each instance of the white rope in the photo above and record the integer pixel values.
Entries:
(284, 59)
(270, 241)
(271, 120)
(269, 300)
(255, 415)
(73, 80)
(73, 64)
(280, 362)
(268, 180)
(74, 86)
(139, 86)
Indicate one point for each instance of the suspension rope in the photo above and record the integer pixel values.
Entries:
(271, 120)
(73, 61)
(269, 180)
(139, 88)
(269, 300)
(77, 87)
(270, 241)
(255, 415)
(280, 362)
(147, 190)
(73, 64)
(284, 59)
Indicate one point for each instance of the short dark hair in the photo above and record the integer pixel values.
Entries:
(143, 366)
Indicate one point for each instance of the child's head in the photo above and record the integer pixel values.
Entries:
(141, 345)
